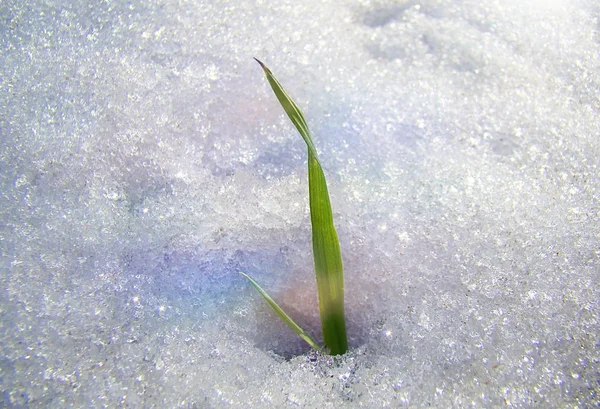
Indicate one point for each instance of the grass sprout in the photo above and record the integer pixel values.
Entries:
(326, 247)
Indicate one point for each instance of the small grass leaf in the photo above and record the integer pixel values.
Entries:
(286, 318)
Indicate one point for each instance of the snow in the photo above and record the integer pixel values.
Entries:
(145, 162)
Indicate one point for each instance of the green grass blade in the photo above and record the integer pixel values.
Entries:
(326, 246)
(286, 318)
(290, 107)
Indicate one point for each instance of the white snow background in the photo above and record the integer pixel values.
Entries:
(145, 161)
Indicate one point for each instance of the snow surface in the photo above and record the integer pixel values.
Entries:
(145, 161)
